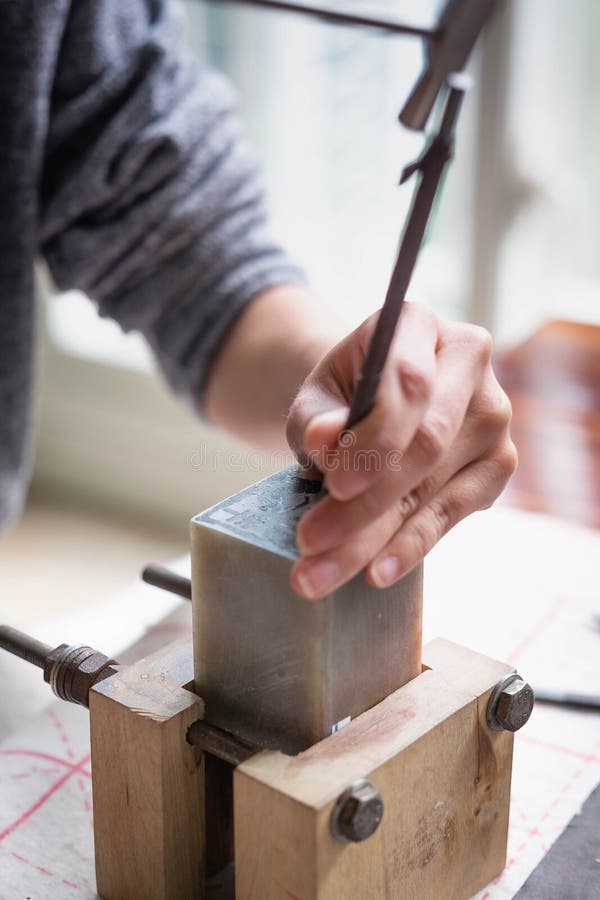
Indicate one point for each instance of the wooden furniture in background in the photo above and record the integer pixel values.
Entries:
(553, 381)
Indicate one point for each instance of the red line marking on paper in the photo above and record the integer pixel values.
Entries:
(44, 871)
(541, 626)
(73, 770)
(17, 776)
(586, 757)
(37, 754)
(62, 734)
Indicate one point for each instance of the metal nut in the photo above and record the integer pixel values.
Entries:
(511, 704)
(357, 813)
(71, 671)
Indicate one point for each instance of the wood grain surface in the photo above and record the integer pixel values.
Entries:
(148, 782)
(445, 782)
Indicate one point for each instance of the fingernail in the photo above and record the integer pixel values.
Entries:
(384, 572)
(317, 578)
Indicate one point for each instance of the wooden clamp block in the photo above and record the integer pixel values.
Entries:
(148, 782)
(444, 777)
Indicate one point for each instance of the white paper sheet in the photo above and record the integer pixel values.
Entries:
(520, 587)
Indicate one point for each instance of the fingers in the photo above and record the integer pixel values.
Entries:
(435, 448)
(404, 393)
(474, 488)
(387, 555)
(319, 405)
(407, 480)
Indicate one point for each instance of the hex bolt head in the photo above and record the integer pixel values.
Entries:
(357, 813)
(511, 704)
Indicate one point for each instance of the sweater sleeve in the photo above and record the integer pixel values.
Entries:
(151, 199)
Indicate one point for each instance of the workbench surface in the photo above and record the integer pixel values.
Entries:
(514, 585)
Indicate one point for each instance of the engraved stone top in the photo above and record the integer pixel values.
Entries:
(267, 513)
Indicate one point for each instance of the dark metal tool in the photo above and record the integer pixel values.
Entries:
(565, 698)
(458, 28)
(431, 167)
(167, 580)
(448, 42)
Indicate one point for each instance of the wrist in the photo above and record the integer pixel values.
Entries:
(277, 341)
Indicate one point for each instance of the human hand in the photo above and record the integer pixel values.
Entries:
(435, 447)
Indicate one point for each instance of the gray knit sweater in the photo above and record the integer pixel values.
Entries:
(123, 166)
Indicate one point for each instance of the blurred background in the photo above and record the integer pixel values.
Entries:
(121, 466)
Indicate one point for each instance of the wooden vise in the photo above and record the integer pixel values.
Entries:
(310, 752)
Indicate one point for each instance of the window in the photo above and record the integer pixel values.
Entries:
(513, 241)
(320, 103)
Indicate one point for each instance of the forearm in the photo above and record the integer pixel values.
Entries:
(279, 338)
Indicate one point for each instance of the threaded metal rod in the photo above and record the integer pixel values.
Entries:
(24, 646)
(167, 580)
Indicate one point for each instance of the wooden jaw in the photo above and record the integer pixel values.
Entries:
(148, 782)
(443, 774)
(444, 778)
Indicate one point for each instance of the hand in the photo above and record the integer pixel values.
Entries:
(435, 448)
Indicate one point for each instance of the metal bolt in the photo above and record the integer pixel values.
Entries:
(510, 704)
(70, 671)
(357, 813)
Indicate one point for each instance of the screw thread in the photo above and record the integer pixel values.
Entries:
(24, 646)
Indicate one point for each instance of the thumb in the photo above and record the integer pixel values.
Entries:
(315, 420)
(322, 434)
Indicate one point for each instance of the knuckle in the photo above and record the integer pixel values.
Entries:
(423, 314)
(433, 437)
(508, 459)
(496, 415)
(478, 338)
(440, 516)
(505, 462)
(406, 506)
(483, 342)
(415, 381)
